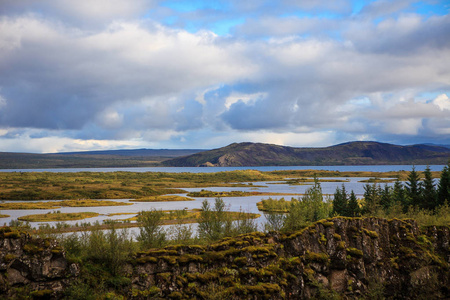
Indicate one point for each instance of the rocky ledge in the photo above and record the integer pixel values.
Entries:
(33, 264)
(339, 258)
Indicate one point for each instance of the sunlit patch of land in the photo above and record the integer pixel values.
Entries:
(206, 193)
(135, 185)
(378, 180)
(59, 204)
(274, 205)
(165, 198)
(120, 214)
(4, 216)
(58, 217)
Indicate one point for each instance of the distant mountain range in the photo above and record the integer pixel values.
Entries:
(236, 155)
(352, 153)
(91, 159)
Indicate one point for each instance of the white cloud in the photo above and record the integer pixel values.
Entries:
(443, 102)
(91, 71)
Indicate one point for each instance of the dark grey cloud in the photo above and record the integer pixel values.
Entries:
(404, 35)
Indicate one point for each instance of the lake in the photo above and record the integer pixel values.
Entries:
(247, 204)
(369, 168)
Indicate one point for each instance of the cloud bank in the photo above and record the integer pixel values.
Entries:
(162, 74)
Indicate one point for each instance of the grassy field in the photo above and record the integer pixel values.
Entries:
(58, 217)
(134, 185)
(59, 204)
(165, 198)
(205, 193)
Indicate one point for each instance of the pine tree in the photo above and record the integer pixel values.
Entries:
(428, 191)
(398, 195)
(385, 199)
(371, 198)
(353, 207)
(340, 202)
(444, 186)
(413, 188)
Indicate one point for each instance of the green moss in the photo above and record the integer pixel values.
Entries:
(188, 258)
(32, 249)
(423, 240)
(341, 245)
(175, 295)
(170, 259)
(355, 252)
(164, 276)
(146, 293)
(372, 234)
(328, 224)
(146, 259)
(240, 261)
(317, 257)
(214, 256)
(408, 252)
(322, 239)
(337, 236)
(41, 294)
(162, 252)
(12, 235)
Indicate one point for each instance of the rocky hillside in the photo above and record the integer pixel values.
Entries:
(32, 266)
(340, 257)
(353, 153)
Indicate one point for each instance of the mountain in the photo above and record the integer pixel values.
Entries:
(91, 159)
(351, 153)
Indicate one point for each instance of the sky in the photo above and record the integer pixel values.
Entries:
(127, 74)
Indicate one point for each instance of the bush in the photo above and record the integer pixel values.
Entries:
(151, 233)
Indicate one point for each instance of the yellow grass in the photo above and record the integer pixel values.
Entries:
(166, 198)
(53, 217)
(59, 204)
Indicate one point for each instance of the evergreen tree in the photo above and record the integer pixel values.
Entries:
(428, 191)
(340, 202)
(353, 207)
(386, 199)
(413, 188)
(371, 198)
(444, 186)
(398, 195)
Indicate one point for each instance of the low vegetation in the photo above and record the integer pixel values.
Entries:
(211, 194)
(59, 204)
(58, 216)
(134, 185)
(165, 198)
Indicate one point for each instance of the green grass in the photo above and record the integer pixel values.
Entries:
(53, 217)
(135, 185)
(165, 198)
(59, 204)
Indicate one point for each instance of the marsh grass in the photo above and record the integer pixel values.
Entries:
(165, 198)
(58, 216)
(59, 204)
(134, 185)
(211, 194)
